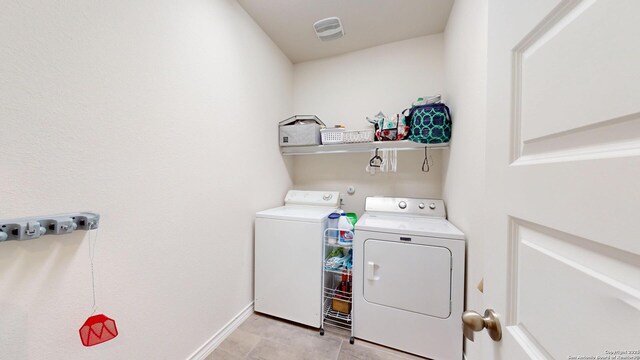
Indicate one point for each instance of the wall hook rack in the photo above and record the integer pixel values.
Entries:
(29, 228)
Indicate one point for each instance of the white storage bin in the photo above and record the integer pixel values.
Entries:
(300, 130)
(332, 136)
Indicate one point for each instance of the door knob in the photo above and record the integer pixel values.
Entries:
(475, 322)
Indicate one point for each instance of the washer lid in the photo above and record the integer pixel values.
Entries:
(409, 225)
(297, 213)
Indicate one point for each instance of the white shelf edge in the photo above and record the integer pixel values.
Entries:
(358, 147)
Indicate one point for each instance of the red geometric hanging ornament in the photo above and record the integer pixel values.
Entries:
(98, 329)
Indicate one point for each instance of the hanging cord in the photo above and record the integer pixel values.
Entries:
(92, 253)
(428, 161)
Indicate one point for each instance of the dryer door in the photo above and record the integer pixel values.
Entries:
(407, 276)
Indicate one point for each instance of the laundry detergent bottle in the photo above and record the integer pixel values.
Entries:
(346, 229)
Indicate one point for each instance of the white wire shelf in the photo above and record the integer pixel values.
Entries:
(337, 294)
(336, 318)
(339, 271)
(334, 241)
(339, 244)
(358, 147)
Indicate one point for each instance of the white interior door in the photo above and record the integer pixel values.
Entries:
(563, 171)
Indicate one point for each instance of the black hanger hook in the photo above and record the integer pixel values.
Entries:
(373, 160)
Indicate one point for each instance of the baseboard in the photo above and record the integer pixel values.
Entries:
(211, 344)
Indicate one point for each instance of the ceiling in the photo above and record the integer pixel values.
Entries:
(366, 23)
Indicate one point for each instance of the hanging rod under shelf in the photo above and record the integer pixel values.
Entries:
(358, 147)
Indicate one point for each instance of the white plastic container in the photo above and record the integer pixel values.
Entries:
(346, 229)
(334, 219)
(332, 136)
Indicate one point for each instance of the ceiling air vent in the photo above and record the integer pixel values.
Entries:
(329, 29)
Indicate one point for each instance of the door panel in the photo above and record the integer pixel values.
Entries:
(563, 161)
(558, 112)
(563, 277)
(556, 96)
(596, 200)
(409, 277)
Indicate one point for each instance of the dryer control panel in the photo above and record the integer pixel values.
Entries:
(407, 206)
(313, 198)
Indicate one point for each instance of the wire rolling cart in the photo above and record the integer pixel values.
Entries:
(337, 295)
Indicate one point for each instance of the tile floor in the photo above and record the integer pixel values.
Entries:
(263, 337)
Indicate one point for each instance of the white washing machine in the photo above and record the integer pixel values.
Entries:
(288, 256)
(408, 277)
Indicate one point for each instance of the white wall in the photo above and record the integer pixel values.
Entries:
(465, 54)
(338, 171)
(161, 116)
(345, 90)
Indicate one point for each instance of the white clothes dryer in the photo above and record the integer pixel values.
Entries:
(408, 277)
(288, 256)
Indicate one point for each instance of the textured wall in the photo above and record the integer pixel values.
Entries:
(345, 90)
(161, 116)
(464, 171)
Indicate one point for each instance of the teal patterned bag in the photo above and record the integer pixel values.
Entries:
(430, 124)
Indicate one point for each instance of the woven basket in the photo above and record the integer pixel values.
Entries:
(359, 136)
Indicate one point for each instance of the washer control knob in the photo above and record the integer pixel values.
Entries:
(421, 206)
(327, 197)
(402, 205)
(432, 206)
